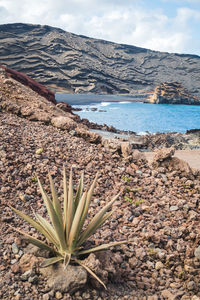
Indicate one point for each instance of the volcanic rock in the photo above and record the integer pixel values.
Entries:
(172, 93)
(27, 81)
(63, 123)
(80, 64)
(65, 280)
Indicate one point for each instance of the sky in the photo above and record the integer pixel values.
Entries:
(163, 25)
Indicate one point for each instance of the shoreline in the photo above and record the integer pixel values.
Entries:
(89, 99)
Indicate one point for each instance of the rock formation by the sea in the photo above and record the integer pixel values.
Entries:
(80, 64)
(172, 93)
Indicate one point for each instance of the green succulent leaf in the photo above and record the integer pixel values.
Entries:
(28, 219)
(54, 218)
(70, 206)
(91, 272)
(102, 247)
(67, 259)
(96, 221)
(76, 221)
(50, 261)
(87, 202)
(50, 233)
(56, 202)
(65, 188)
(35, 241)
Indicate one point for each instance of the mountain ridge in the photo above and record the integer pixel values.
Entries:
(80, 64)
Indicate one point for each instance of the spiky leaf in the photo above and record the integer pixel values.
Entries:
(50, 261)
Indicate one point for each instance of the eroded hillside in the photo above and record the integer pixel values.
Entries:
(80, 64)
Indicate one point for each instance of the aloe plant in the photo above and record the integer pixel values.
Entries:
(64, 233)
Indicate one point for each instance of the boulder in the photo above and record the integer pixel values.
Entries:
(89, 136)
(64, 280)
(126, 149)
(179, 165)
(67, 107)
(162, 155)
(112, 145)
(138, 157)
(64, 123)
(164, 158)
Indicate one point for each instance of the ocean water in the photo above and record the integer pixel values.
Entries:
(141, 117)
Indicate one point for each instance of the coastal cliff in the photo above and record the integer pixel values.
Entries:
(80, 64)
(172, 93)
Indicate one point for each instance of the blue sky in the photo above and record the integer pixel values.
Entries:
(164, 25)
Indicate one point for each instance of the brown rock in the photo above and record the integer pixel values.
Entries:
(126, 149)
(89, 136)
(64, 123)
(64, 280)
(162, 154)
(112, 145)
(172, 93)
(95, 265)
(27, 262)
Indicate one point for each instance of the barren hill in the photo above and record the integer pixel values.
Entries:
(81, 64)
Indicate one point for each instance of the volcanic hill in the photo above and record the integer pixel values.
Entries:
(80, 64)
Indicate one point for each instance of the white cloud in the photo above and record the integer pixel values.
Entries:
(127, 21)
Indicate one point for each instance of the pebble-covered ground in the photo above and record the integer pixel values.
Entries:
(158, 210)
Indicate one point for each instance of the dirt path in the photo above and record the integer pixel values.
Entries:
(192, 157)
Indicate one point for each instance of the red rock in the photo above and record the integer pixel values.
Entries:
(27, 81)
(15, 268)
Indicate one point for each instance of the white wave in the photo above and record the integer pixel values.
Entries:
(85, 111)
(124, 102)
(105, 103)
(143, 133)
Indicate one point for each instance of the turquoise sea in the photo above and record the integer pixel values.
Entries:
(135, 116)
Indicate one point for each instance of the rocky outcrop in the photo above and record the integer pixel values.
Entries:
(172, 93)
(80, 64)
(27, 81)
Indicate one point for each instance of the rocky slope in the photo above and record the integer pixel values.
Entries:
(80, 64)
(172, 93)
(158, 209)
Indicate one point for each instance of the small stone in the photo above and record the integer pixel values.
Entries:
(191, 285)
(86, 296)
(197, 252)
(13, 261)
(33, 279)
(20, 253)
(15, 249)
(173, 208)
(45, 297)
(96, 201)
(18, 297)
(26, 275)
(159, 265)
(195, 298)
(167, 294)
(138, 172)
(24, 197)
(58, 295)
(164, 178)
(15, 268)
(153, 297)
(39, 151)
